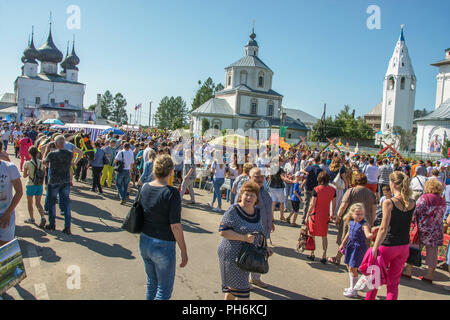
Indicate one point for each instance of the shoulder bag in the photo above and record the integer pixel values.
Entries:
(134, 222)
(120, 164)
(254, 258)
(338, 182)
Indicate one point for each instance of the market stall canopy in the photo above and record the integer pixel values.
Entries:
(114, 131)
(53, 121)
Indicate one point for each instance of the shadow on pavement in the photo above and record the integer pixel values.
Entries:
(46, 254)
(87, 209)
(32, 232)
(92, 227)
(276, 293)
(24, 294)
(104, 249)
(192, 227)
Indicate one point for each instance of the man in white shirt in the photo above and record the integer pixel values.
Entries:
(5, 137)
(418, 185)
(123, 176)
(372, 173)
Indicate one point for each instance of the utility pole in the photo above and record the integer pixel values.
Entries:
(131, 118)
(150, 116)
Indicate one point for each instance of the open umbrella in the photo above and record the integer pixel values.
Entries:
(114, 131)
(53, 121)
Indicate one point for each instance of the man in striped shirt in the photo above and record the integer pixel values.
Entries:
(385, 172)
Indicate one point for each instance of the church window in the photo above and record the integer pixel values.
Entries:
(261, 79)
(270, 109)
(403, 64)
(413, 83)
(52, 101)
(290, 136)
(217, 124)
(38, 100)
(402, 83)
(66, 101)
(391, 83)
(254, 107)
(244, 77)
(229, 80)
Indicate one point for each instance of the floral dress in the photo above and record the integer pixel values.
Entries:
(432, 208)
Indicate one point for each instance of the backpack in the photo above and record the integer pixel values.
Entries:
(39, 175)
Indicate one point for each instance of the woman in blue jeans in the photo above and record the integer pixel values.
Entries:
(162, 230)
(218, 171)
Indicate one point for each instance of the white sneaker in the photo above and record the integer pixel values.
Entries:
(217, 210)
(350, 293)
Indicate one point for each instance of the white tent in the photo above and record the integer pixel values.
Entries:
(93, 129)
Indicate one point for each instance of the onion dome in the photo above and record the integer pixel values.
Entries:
(30, 54)
(64, 63)
(72, 59)
(252, 42)
(49, 52)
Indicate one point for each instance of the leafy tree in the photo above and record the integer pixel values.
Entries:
(407, 139)
(421, 113)
(205, 125)
(205, 92)
(119, 112)
(343, 126)
(172, 113)
(92, 107)
(107, 104)
(445, 148)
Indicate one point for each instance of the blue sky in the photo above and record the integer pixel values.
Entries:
(321, 51)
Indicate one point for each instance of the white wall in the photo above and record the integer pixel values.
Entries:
(262, 106)
(29, 89)
(443, 85)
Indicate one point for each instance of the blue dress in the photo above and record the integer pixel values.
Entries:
(356, 246)
(237, 220)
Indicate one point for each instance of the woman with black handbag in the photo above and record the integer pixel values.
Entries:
(238, 226)
(161, 231)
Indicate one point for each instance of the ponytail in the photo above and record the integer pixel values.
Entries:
(406, 191)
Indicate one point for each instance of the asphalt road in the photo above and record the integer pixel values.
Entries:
(102, 262)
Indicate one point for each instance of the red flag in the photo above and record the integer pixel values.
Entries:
(62, 105)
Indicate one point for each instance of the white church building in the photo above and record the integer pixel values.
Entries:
(434, 129)
(42, 91)
(248, 100)
(399, 92)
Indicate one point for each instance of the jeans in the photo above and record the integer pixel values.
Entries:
(218, 182)
(395, 258)
(63, 189)
(122, 181)
(231, 195)
(160, 264)
(107, 174)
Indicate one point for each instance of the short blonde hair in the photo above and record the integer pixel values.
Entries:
(247, 167)
(163, 166)
(249, 187)
(433, 186)
(352, 209)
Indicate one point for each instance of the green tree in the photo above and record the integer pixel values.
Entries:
(119, 112)
(445, 148)
(407, 139)
(205, 125)
(107, 104)
(92, 107)
(421, 113)
(205, 92)
(172, 113)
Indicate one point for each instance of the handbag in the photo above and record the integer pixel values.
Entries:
(415, 257)
(338, 182)
(134, 222)
(120, 164)
(254, 258)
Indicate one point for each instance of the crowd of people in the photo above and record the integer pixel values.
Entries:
(372, 200)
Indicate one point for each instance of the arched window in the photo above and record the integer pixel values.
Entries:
(413, 83)
(229, 74)
(254, 107)
(270, 109)
(243, 77)
(261, 79)
(391, 83)
(402, 83)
